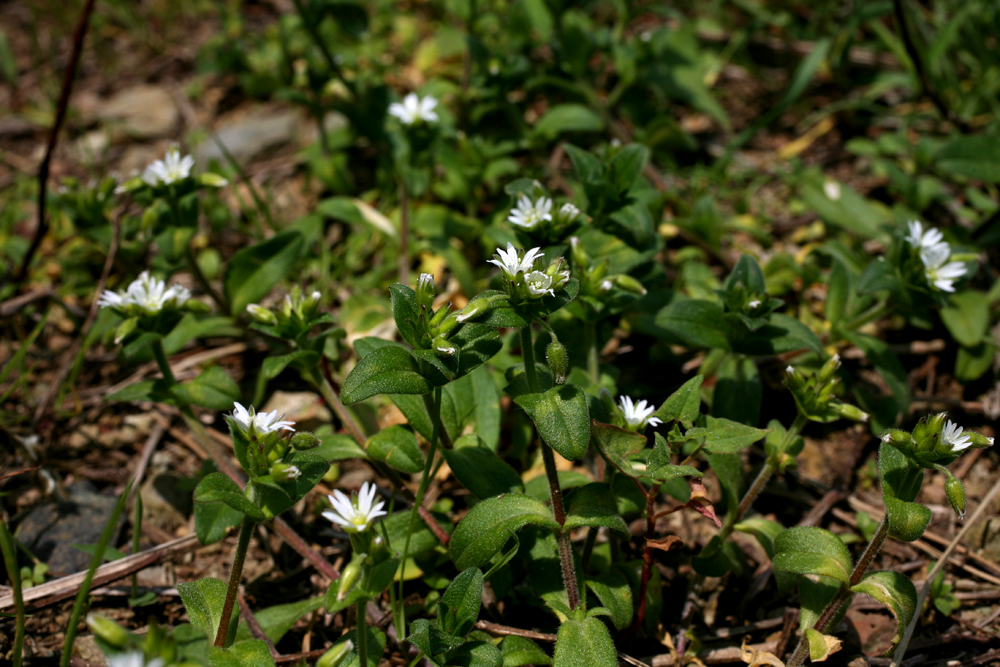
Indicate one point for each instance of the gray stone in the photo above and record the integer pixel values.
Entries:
(250, 136)
(141, 112)
(166, 502)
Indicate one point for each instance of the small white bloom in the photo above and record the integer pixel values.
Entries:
(789, 370)
(146, 293)
(832, 190)
(414, 109)
(920, 239)
(755, 303)
(606, 285)
(170, 169)
(510, 262)
(568, 212)
(527, 215)
(446, 349)
(133, 659)
(355, 513)
(638, 414)
(952, 436)
(425, 281)
(262, 423)
(538, 283)
(940, 274)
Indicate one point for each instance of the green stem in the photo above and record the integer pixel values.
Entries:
(362, 633)
(824, 621)
(555, 492)
(873, 313)
(136, 534)
(10, 563)
(330, 396)
(593, 359)
(161, 360)
(81, 597)
(202, 281)
(435, 412)
(222, 638)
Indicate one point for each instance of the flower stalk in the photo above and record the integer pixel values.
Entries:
(224, 637)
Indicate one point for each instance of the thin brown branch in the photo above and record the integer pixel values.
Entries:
(506, 630)
(253, 625)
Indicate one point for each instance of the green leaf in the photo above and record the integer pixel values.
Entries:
(888, 366)
(895, 591)
(765, 530)
(729, 469)
(253, 271)
(900, 477)
(568, 118)
(810, 550)
(386, 370)
(488, 526)
(626, 166)
(718, 558)
(203, 599)
(337, 446)
(477, 344)
(138, 391)
(593, 505)
(397, 447)
(249, 653)
(972, 362)
(967, 317)
(659, 465)
(431, 639)
(217, 488)
(613, 591)
(821, 646)
(562, 418)
(422, 539)
(748, 273)
(459, 606)
(587, 166)
(695, 323)
(475, 654)
(273, 366)
(276, 497)
(723, 436)
(617, 444)
(212, 521)
(907, 521)
(636, 222)
(375, 579)
(480, 470)
(975, 157)
(213, 389)
(780, 335)
(276, 621)
(406, 313)
(850, 210)
(738, 390)
(684, 405)
(584, 643)
(839, 289)
(470, 403)
(814, 596)
(520, 651)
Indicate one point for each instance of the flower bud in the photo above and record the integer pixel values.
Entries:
(898, 438)
(211, 180)
(478, 306)
(630, 284)
(196, 306)
(558, 359)
(848, 411)
(979, 440)
(108, 631)
(449, 323)
(580, 258)
(284, 472)
(305, 440)
(567, 213)
(443, 346)
(425, 290)
(829, 368)
(125, 329)
(336, 654)
(598, 272)
(440, 316)
(955, 491)
(349, 577)
(793, 378)
(333, 474)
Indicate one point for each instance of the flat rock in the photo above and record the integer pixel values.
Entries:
(250, 136)
(50, 529)
(141, 112)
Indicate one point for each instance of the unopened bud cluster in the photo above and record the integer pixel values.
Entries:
(814, 394)
(268, 441)
(594, 279)
(434, 328)
(935, 442)
(749, 304)
(292, 317)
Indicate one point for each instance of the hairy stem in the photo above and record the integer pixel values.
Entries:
(593, 352)
(830, 612)
(161, 361)
(246, 530)
(10, 564)
(555, 492)
(418, 501)
(362, 633)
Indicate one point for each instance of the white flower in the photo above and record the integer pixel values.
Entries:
(568, 211)
(262, 423)
(637, 414)
(939, 274)
(755, 303)
(539, 283)
(446, 349)
(425, 281)
(920, 239)
(832, 190)
(355, 513)
(789, 370)
(510, 262)
(293, 472)
(527, 215)
(147, 294)
(952, 436)
(170, 169)
(606, 285)
(133, 659)
(414, 109)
